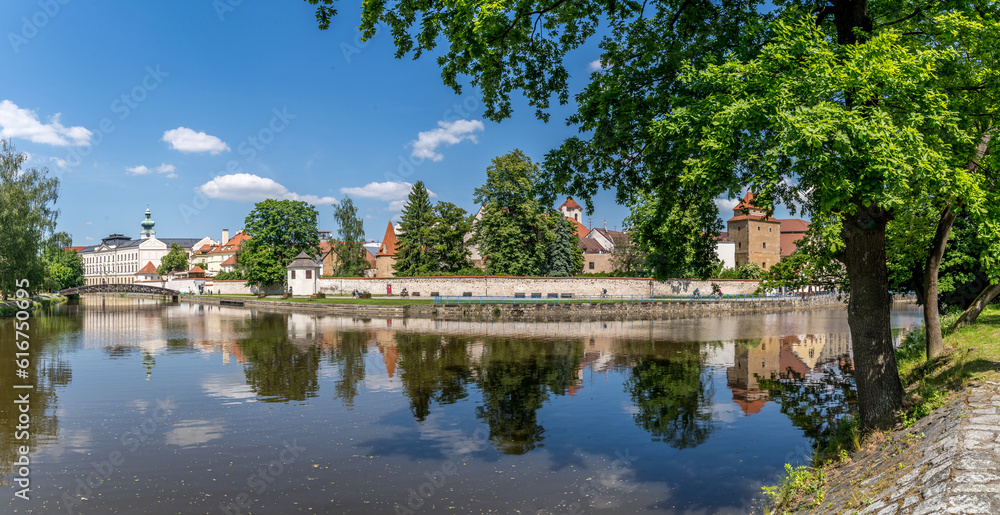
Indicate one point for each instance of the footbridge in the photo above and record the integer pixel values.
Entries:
(120, 288)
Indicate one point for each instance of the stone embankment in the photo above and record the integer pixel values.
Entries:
(539, 312)
(948, 462)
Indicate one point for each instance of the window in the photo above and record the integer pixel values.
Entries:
(758, 227)
(765, 244)
(293, 274)
(739, 245)
(590, 265)
(309, 274)
(769, 229)
(763, 264)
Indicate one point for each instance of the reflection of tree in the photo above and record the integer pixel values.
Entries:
(349, 358)
(432, 369)
(46, 371)
(516, 377)
(817, 403)
(670, 394)
(277, 370)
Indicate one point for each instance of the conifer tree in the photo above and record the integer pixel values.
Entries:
(413, 256)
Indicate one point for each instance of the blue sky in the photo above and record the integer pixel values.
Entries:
(201, 112)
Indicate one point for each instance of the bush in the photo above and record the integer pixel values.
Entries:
(320, 295)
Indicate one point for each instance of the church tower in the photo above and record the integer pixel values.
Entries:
(147, 226)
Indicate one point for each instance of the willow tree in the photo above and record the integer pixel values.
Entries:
(836, 107)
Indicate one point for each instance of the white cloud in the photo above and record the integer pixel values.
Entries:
(397, 205)
(595, 65)
(145, 170)
(90, 223)
(245, 187)
(447, 133)
(726, 205)
(395, 193)
(61, 163)
(187, 140)
(24, 123)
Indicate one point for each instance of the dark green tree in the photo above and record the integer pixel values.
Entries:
(670, 395)
(27, 220)
(416, 234)
(448, 249)
(176, 259)
(560, 261)
(627, 258)
(513, 235)
(433, 370)
(279, 230)
(349, 249)
(277, 370)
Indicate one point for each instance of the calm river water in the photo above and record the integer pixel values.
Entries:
(143, 407)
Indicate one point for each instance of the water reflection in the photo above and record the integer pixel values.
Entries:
(389, 398)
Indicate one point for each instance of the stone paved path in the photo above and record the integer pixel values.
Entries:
(948, 462)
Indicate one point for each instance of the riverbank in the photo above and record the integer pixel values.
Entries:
(519, 309)
(945, 462)
(10, 308)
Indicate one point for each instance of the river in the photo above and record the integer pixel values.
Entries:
(139, 406)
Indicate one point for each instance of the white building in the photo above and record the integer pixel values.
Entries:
(302, 274)
(118, 258)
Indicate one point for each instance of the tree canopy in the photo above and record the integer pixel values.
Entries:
(414, 250)
(279, 230)
(175, 259)
(27, 219)
(349, 249)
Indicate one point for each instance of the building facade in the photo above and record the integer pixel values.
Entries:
(762, 239)
(118, 258)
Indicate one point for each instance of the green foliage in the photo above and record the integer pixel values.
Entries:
(801, 485)
(279, 230)
(670, 395)
(416, 234)
(628, 259)
(513, 234)
(448, 249)
(27, 220)
(235, 275)
(349, 250)
(678, 240)
(176, 259)
(63, 269)
(561, 254)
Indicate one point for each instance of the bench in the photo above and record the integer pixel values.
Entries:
(552, 296)
(518, 295)
(567, 295)
(435, 294)
(466, 293)
(536, 295)
(415, 294)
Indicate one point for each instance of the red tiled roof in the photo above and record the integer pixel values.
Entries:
(581, 230)
(746, 203)
(205, 248)
(231, 260)
(196, 270)
(723, 236)
(592, 246)
(753, 217)
(75, 249)
(570, 204)
(389, 243)
(794, 225)
(789, 242)
(148, 269)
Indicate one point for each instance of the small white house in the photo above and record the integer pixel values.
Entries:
(303, 273)
(725, 251)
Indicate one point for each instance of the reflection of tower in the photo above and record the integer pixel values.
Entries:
(749, 363)
(148, 361)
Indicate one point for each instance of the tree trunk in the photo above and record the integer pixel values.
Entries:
(880, 393)
(982, 300)
(932, 315)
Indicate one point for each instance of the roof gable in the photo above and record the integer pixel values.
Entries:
(389, 242)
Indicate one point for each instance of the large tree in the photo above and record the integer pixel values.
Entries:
(349, 249)
(279, 230)
(175, 259)
(513, 235)
(27, 219)
(63, 268)
(413, 252)
(837, 107)
(449, 250)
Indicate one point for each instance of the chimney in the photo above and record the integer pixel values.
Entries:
(225, 237)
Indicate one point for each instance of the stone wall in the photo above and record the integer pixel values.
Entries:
(508, 286)
(239, 287)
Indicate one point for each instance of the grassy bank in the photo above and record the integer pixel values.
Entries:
(972, 356)
(9, 308)
(374, 301)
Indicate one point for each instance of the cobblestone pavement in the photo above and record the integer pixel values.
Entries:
(948, 462)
